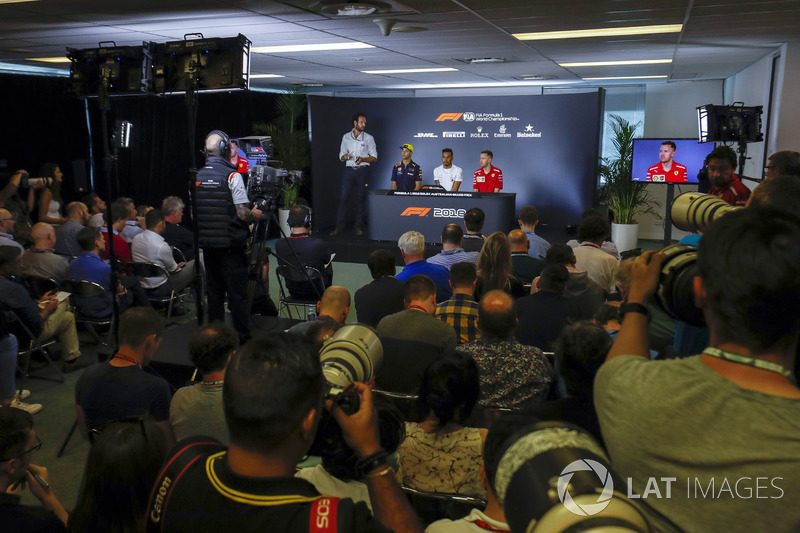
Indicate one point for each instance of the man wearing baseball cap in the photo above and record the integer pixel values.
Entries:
(406, 175)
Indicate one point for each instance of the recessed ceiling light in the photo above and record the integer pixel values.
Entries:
(57, 59)
(626, 78)
(599, 32)
(265, 76)
(615, 63)
(350, 45)
(16, 1)
(408, 29)
(479, 60)
(410, 70)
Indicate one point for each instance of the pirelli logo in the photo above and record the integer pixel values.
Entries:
(418, 211)
(449, 116)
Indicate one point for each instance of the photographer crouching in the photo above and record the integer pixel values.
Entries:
(710, 441)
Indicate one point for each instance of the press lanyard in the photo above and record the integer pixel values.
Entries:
(749, 361)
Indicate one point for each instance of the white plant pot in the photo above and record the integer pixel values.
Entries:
(625, 236)
(283, 221)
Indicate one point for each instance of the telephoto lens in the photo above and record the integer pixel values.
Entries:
(353, 353)
(554, 477)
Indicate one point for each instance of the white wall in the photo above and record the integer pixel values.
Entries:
(787, 136)
(671, 111)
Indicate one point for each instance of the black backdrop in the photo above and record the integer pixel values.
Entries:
(547, 145)
(41, 122)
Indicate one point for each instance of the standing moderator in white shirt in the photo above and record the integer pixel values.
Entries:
(358, 151)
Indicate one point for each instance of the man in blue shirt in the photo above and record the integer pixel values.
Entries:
(528, 220)
(406, 175)
(412, 246)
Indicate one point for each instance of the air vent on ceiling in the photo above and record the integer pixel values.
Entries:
(534, 77)
(356, 8)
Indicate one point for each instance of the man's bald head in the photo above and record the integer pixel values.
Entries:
(5, 213)
(518, 240)
(43, 234)
(213, 142)
(6, 221)
(335, 303)
(78, 211)
(497, 315)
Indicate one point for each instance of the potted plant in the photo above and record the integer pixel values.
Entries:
(289, 132)
(625, 198)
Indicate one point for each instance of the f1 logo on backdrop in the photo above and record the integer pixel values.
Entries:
(411, 211)
(449, 116)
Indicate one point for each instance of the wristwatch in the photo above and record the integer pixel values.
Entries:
(632, 307)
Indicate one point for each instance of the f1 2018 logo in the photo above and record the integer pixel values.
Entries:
(449, 116)
(411, 211)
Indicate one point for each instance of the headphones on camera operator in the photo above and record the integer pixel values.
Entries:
(224, 146)
(297, 220)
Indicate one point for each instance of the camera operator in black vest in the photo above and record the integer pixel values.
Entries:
(223, 220)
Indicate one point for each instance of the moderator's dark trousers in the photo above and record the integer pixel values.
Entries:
(354, 178)
(226, 272)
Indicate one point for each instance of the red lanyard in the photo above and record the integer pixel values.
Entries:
(418, 308)
(593, 245)
(126, 358)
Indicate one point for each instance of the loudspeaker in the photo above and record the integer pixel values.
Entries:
(79, 177)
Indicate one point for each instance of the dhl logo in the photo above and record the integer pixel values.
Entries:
(411, 211)
(449, 116)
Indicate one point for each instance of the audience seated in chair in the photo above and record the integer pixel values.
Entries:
(384, 295)
(412, 248)
(452, 251)
(41, 260)
(67, 233)
(123, 463)
(494, 268)
(97, 209)
(528, 219)
(585, 295)
(523, 266)
(122, 251)
(302, 250)
(45, 319)
(9, 394)
(599, 265)
(439, 454)
(492, 518)
(473, 224)
(416, 322)
(197, 409)
(150, 247)
(89, 267)
(176, 235)
(120, 387)
(18, 444)
(542, 316)
(7, 225)
(512, 375)
(608, 247)
(727, 418)
(333, 307)
(580, 351)
(461, 311)
(134, 224)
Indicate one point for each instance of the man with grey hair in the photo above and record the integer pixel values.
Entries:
(412, 247)
(783, 163)
(67, 233)
(176, 235)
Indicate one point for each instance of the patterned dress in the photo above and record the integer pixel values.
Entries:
(441, 462)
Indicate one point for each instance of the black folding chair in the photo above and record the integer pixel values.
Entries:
(82, 290)
(433, 506)
(38, 286)
(151, 270)
(291, 277)
(28, 345)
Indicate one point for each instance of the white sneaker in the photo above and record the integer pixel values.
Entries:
(31, 408)
(22, 394)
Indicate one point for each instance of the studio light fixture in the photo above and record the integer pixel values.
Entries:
(626, 78)
(616, 63)
(410, 70)
(57, 59)
(289, 48)
(599, 32)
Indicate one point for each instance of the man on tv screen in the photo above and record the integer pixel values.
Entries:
(667, 169)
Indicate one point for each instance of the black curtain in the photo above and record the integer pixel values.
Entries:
(40, 122)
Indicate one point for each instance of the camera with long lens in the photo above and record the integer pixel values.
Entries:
(353, 353)
(26, 182)
(691, 211)
(554, 477)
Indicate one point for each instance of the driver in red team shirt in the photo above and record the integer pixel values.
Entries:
(242, 165)
(667, 169)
